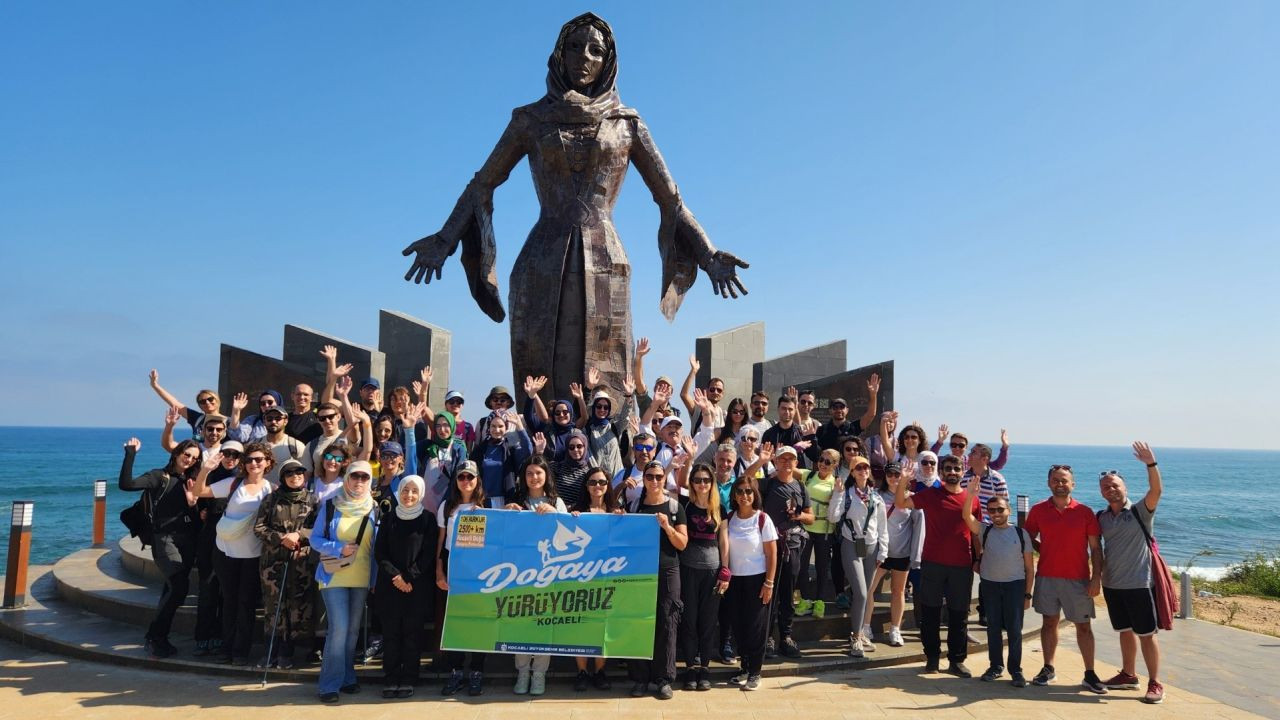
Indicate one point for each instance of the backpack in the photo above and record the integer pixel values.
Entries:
(137, 518)
(1162, 587)
(673, 506)
(1022, 538)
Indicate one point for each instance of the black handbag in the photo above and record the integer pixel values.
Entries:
(137, 518)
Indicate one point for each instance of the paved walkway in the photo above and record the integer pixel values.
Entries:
(38, 685)
(1233, 666)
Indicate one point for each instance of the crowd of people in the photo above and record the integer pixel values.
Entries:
(337, 511)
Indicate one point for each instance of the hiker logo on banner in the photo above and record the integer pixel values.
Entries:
(547, 583)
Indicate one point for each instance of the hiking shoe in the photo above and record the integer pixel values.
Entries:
(352, 689)
(865, 639)
(329, 698)
(202, 648)
(789, 648)
(804, 608)
(895, 637)
(727, 654)
(390, 691)
(704, 679)
(638, 689)
(405, 691)
(959, 670)
(538, 683)
(160, 648)
(1155, 693)
(690, 680)
(770, 648)
(1044, 677)
(664, 692)
(522, 683)
(739, 679)
(582, 682)
(475, 683)
(855, 647)
(931, 665)
(992, 674)
(453, 684)
(1122, 681)
(1092, 683)
(819, 609)
(842, 602)
(752, 683)
(1017, 680)
(601, 681)
(374, 651)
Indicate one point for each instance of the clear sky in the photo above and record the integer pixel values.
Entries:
(1057, 218)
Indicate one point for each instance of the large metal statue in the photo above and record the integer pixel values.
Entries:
(570, 288)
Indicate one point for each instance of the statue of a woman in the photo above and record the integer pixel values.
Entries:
(570, 287)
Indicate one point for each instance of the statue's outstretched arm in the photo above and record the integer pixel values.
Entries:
(474, 208)
(682, 240)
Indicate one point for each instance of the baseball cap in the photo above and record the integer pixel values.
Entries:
(454, 395)
(468, 467)
(391, 446)
(232, 445)
(786, 450)
(371, 381)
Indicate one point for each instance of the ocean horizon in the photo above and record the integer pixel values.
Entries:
(1204, 519)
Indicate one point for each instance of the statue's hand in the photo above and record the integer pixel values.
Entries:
(722, 268)
(432, 251)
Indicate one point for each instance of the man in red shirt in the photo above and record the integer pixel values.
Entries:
(1069, 573)
(946, 567)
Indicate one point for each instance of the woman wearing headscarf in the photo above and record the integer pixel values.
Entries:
(606, 431)
(173, 527)
(283, 567)
(405, 550)
(500, 452)
(344, 535)
(444, 454)
(556, 423)
(571, 281)
(571, 471)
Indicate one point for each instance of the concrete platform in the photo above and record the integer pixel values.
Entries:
(95, 579)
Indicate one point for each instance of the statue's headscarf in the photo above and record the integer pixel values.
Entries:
(567, 104)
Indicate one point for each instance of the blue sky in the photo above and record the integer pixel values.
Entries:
(1060, 219)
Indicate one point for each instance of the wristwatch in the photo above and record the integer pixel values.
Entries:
(1026, 596)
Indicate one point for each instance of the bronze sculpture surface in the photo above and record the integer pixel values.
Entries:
(570, 286)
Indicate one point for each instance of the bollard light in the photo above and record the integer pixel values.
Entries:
(15, 577)
(1024, 504)
(99, 513)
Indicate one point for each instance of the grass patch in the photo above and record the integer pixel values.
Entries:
(1257, 574)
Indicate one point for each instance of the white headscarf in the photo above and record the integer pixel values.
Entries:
(409, 513)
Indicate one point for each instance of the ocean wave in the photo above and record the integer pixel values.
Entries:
(1208, 573)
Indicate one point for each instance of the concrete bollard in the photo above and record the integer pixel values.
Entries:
(1024, 505)
(99, 513)
(1184, 608)
(15, 573)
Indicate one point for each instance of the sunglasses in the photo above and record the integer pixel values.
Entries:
(330, 416)
(959, 445)
(294, 471)
(738, 411)
(466, 477)
(331, 457)
(838, 406)
(994, 510)
(651, 476)
(232, 454)
(205, 400)
(1059, 467)
(862, 466)
(560, 411)
(359, 477)
(700, 481)
(255, 460)
(744, 491)
(598, 483)
(748, 438)
(576, 446)
(1105, 473)
(388, 456)
(825, 461)
(643, 448)
(928, 462)
(213, 428)
(601, 406)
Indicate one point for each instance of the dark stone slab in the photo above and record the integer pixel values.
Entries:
(249, 372)
(408, 344)
(302, 347)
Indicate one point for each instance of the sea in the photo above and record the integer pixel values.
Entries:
(1211, 514)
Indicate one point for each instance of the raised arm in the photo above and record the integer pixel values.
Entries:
(637, 365)
(1155, 485)
(966, 508)
(873, 392)
(171, 418)
(900, 497)
(580, 402)
(1003, 456)
(686, 390)
(165, 395)
(201, 487)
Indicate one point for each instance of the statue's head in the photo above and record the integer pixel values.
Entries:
(584, 58)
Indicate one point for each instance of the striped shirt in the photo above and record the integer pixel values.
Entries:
(991, 485)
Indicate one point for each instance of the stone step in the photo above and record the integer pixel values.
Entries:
(53, 624)
(95, 580)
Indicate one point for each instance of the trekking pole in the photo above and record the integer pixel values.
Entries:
(275, 624)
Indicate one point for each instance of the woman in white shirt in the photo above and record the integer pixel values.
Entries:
(747, 579)
(238, 548)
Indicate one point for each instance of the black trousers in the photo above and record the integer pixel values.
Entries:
(750, 619)
(404, 617)
(240, 584)
(819, 549)
(174, 555)
(662, 668)
(209, 592)
(783, 611)
(951, 586)
(698, 622)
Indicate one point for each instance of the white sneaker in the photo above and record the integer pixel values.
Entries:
(537, 683)
(739, 679)
(867, 645)
(895, 637)
(522, 682)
